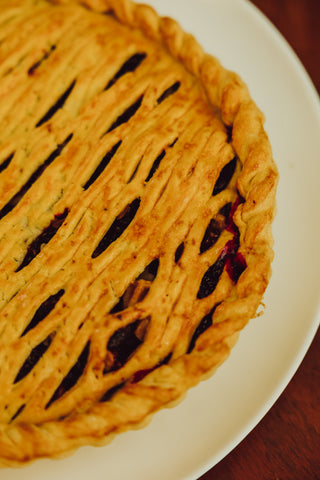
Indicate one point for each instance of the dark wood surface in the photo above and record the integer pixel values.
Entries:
(285, 445)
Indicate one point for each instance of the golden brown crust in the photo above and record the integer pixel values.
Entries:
(122, 333)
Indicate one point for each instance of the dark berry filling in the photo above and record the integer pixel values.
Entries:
(18, 412)
(111, 392)
(127, 114)
(204, 324)
(211, 235)
(122, 344)
(231, 226)
(36, 65)
(44, 238)
(225, 176)
(33, 358)
(211, 277)
(149, 274)
(129, 65)
(140, 374)
(229, 133)
(72, 377)
(168, 92)
(6, 162)
(36, 174)
(235, 262)
(229, 257)
(155, 166)
(226, 210)
(117, 228)
(151, 270)
(179, 252)
(102, 165)
(59, 104)
(235, 266)
(43, 311)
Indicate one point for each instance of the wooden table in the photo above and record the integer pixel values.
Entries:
(285, 445)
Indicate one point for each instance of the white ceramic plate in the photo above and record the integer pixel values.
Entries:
(182, 443)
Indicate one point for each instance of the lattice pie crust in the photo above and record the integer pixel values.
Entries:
(137, 191)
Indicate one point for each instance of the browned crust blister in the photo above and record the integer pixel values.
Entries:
(104, 208)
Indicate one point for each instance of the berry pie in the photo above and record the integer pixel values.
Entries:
(137, 193)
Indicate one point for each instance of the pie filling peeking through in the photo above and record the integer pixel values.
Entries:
(137, 191)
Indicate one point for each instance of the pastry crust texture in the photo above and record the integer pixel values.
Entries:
(137, 193)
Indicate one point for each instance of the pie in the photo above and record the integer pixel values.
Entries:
(137, 192)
